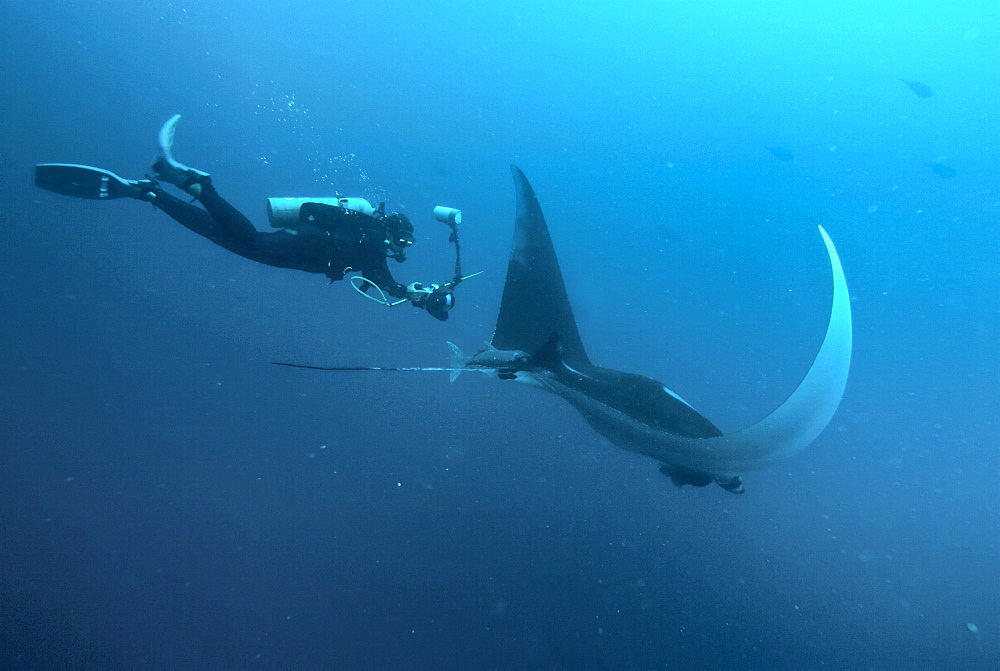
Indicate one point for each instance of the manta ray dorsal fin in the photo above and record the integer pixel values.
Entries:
(535, 304)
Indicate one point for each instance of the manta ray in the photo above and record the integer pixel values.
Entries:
(537, 341)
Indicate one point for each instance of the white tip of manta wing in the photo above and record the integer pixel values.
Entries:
(805, 414)
(677, 396)
(830, 249)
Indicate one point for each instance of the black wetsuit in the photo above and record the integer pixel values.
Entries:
(328, 239)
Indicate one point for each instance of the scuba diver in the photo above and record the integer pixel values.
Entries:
(332, 236)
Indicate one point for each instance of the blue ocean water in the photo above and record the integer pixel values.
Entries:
(171, 500)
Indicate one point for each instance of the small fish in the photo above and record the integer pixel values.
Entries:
(919, 88)
(942, 170)
(781, 153)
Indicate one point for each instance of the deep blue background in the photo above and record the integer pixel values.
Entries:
(171, 500)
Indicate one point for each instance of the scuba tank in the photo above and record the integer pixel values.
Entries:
(284, 212)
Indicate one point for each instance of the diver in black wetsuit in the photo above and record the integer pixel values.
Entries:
(321, 238)
(327, 239)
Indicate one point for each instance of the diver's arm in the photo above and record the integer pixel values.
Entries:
(377, 270)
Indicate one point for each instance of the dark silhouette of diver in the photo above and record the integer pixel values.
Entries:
(332, 237)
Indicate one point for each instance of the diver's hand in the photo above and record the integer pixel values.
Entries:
(417, 292)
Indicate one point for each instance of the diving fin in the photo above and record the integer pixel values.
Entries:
(168, 168)
(84, 181)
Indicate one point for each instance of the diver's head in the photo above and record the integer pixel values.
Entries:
(399, 235)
